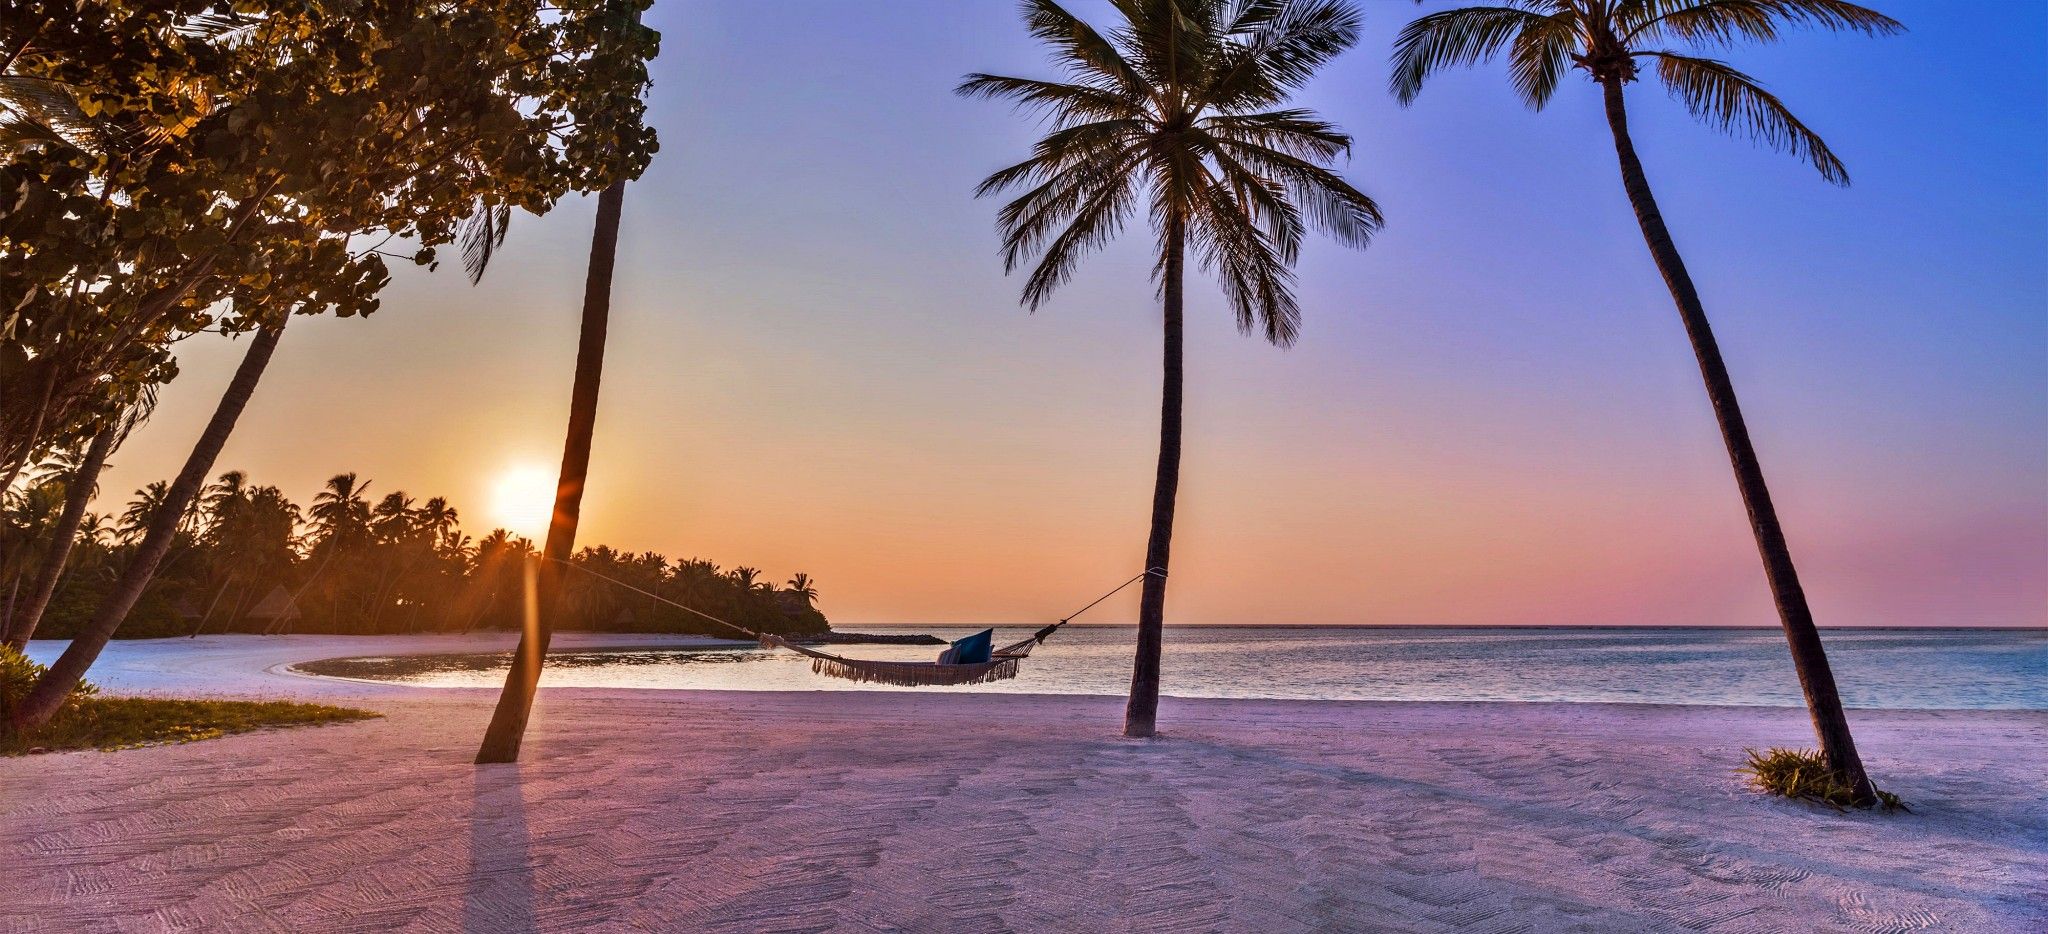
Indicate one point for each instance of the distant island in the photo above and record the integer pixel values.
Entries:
(248, 559)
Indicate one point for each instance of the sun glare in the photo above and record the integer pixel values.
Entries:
(523, 500)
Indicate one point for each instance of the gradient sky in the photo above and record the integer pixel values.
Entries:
(1492, 416)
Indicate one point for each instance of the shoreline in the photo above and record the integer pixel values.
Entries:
(246, 665)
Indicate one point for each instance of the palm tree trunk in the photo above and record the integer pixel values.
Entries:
(1141, 713)
(1830, 721)
(28, 442)
(508, 722)
(56, 685)
(77, 495)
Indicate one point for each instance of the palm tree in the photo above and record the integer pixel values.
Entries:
(341, 513)
(392, 518)
(80, 485)
(436, 519)
(1181, 112)
(147, 502)
(515, 703)
(1611, 40)
(220, 497)
(56, 684)
(802, 585)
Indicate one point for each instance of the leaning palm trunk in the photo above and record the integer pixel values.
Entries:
(515, 704)
(1142, 711)
(77, 495)
(1830, 721)
(51, 690)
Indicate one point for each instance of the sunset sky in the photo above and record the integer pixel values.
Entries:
(1492, 416)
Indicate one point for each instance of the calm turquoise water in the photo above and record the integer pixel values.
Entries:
(1929, 669)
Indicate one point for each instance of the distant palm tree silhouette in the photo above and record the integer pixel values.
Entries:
(1180, 112)
(801, 585)
(341, 512)
(148, 499)
(1611, 40)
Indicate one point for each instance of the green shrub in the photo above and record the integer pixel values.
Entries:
(1803, 774)
(18, 674)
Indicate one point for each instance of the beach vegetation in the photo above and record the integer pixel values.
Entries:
(1179, 114)
(1804, 775)
(1615, 44)
(224, 168)
(89, 720)
(360, 560)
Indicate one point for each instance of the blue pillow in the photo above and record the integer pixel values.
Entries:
(975, 649)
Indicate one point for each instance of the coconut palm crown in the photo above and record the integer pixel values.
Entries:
(1182, 110)
(1614, 40)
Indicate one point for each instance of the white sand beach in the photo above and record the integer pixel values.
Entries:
(712, 811)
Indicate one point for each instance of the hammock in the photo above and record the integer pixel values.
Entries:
(1002, 662)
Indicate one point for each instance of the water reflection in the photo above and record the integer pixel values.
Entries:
(432, 669)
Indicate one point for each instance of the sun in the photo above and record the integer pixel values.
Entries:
(523, 500)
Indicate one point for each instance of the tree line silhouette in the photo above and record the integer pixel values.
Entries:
(248, 559)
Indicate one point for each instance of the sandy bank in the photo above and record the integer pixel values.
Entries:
(675, 810)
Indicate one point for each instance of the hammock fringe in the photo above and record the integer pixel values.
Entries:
(913, 674)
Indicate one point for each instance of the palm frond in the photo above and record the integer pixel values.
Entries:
(1452, 39)
(35, 110)
(1097, 221)
(1726, 22)
(1297, 132)
(1265, 200)
(215, 26)
(1281, 48)
(482, 233)
(1030, 219)
(1059, 102)
(1721, 96)
(1256, 279)
(1331, 204)
(1540, 56)
(1063, 148)
(1083, 49)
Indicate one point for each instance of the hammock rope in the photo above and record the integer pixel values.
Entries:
(1003, 663)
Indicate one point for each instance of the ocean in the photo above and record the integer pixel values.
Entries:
(1894, 669)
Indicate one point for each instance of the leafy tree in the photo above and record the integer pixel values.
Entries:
(399, 118)
(1612, 41)
(1181, 112)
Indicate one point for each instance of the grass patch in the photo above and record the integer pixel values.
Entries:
(110, 723)
(1803, 775)
(89, 721)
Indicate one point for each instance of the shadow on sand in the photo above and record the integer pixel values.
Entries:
(498, 895)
